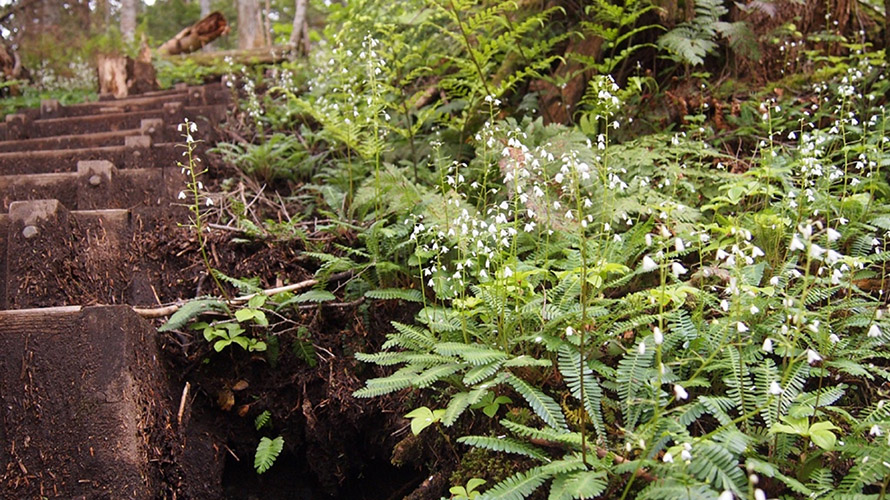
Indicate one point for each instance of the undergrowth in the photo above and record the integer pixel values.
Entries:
(679, 322)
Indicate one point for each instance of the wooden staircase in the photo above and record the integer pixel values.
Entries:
(86, 409)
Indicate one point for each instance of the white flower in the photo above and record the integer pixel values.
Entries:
(659, 337)
(208, 201)
(774, 388)
(796, 244)
(759, 494)
(774, 281)
(832, 234)
(813, 356)
(685, 455)
(726, 495)
(569, 331)
(815, 251)
(724, 304)
(757, 252)
(668, 458)
(874, 331)
(507, 272)
(875, 430)
(677, 269)
(679, 245)
(641, 349)
(768, 344)
(680, 392)
(754, 309)
(741, 327)
(833, 338)
(649, 264)
(648, 239)
(181, 195)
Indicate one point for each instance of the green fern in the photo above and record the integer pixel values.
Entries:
(543, 405)
(504, 444)
(395, 294)
(190, 311)
(584, 388)
(262, 419)
(267, 452)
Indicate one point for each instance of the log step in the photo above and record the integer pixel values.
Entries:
(20, 126)
(96, 184)
(53, 254)
(83, 398)
(138, 153)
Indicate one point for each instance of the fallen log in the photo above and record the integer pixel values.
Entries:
(262, 55)
(196, 36)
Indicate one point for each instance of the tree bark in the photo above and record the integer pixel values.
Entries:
(299, 37)
(196, 36)
(128, 19)
(205, 8)
(886, 28)
(250, 34)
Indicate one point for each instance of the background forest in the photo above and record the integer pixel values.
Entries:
(632, 248)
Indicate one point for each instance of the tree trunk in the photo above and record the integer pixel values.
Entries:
(128, 19)
(122, 76)
(299, 37)
(196, 36)
(250, 34)
(205, 8)
(886, 28)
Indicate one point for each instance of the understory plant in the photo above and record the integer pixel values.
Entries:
(624, 315)
(666, 350)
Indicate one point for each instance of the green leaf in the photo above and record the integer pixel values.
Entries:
(317, 296)
(243, 315)
(407, 295)
(423, 417)
(191, 310)
(821, 434)
(262, 419)
(266, 453)
(577, 485)
(543, 405)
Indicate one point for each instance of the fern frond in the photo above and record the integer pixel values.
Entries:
(518, 486)
(474, 354)
(543, 405)
(578, 485)
(408, 295)
(267, 452)
(190, 311)
(399, 380)
(482, 372)
(585, 388)
(715, 464)
(504, 444)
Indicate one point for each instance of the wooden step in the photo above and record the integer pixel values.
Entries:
(139, 152)
(95, 185)
(84, 407)
(20, 126)
(192, 96)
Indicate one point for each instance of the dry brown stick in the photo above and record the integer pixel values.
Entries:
(182, 402)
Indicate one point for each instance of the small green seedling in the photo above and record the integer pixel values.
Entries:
(820, 432)
(423, 417)
(466, 493)
(490, 404)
